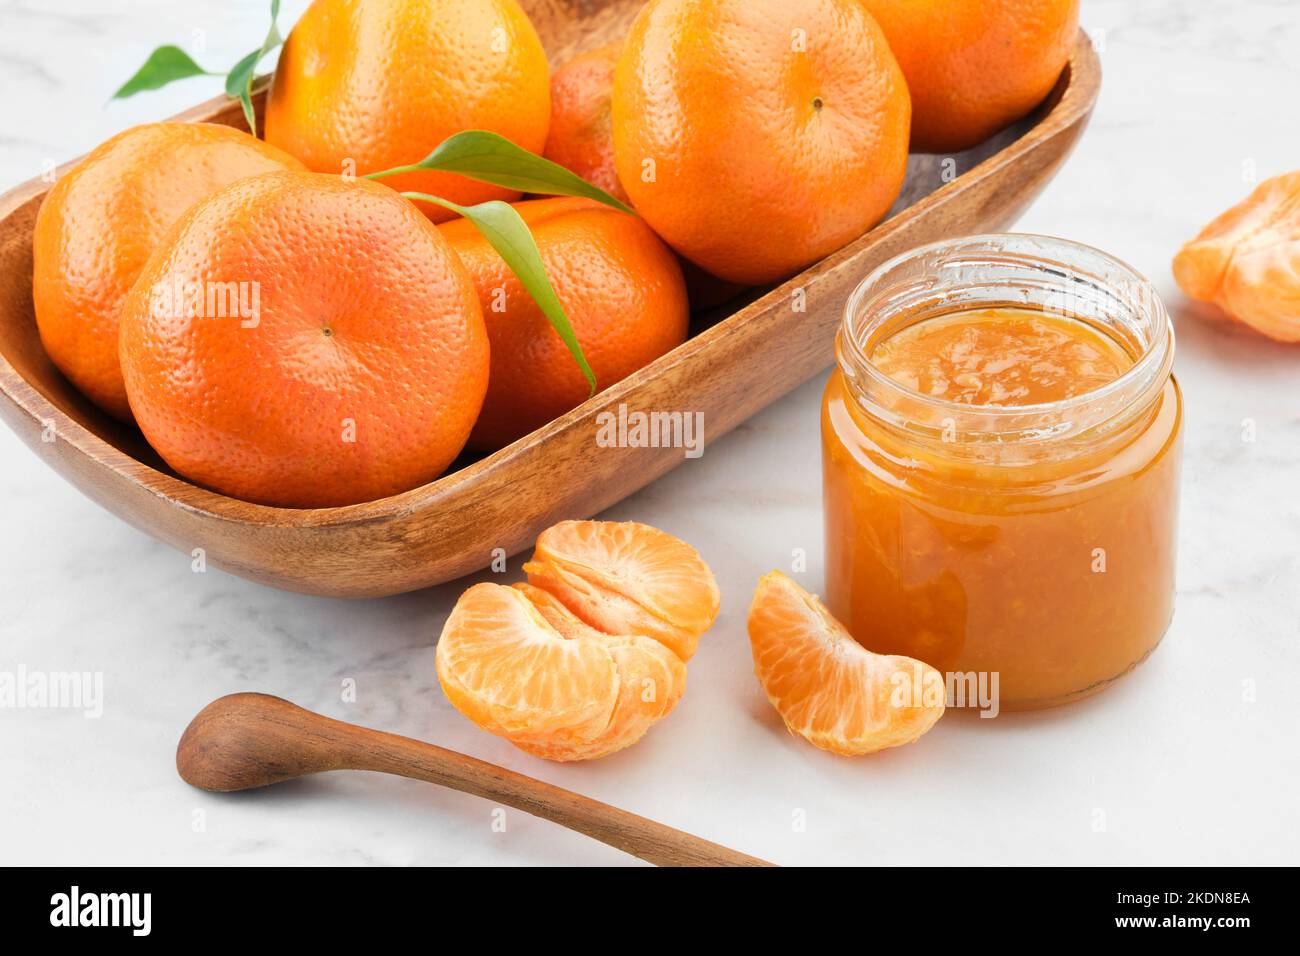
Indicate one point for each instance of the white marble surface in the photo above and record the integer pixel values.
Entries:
(1197, 96)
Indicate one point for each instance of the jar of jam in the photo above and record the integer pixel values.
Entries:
(1001, 452)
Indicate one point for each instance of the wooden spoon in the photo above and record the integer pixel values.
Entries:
(244, 741)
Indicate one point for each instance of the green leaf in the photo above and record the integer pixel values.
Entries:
(239, 81)
(506, 230)
(239, 84)
(167, 64)
(240, 76)
(491, 158)
(246, 101)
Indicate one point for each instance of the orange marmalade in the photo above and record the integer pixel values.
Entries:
(1001, 454)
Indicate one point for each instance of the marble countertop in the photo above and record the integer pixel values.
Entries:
(1190, 760)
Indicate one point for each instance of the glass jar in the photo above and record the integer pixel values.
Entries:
(1034, 543)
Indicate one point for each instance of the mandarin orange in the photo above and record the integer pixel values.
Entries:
(100, 223)
(620, 286)
(757, 136)
(581, 137)
(368, 85)
(582, 140)
(355, 372)
(975, 66)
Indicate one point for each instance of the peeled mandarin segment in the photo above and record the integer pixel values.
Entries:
(652, 678)
(628, 578)
(827, 687)
(1247, 260)
(605, 609)
(510, 672)
(568, 624)
(651, 681)
(1262, 289)
(581, 660)
(522, 666)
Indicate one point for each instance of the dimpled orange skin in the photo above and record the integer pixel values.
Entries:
(380, 83)
(100, 222)
(620, 286)
(975, 66)
(772, 131)
(357, 373)
(581, 138)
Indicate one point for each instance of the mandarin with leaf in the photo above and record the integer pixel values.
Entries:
(368, 85)
(619, 285)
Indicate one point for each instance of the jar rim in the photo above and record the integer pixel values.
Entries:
(1150, 368)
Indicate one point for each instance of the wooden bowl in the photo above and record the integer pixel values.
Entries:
(739, 358)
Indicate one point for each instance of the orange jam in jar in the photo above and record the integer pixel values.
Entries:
(1001, 449)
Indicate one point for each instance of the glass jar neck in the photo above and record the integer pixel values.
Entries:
(1019, 271)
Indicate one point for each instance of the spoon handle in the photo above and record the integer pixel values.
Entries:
(252, 740)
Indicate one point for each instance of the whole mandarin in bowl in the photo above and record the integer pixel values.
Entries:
(975, 66)
(368, 85)
(100, 222)
(582, 141)
(360, 370)
(581, 138)
(620, 287)
(758, 136)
